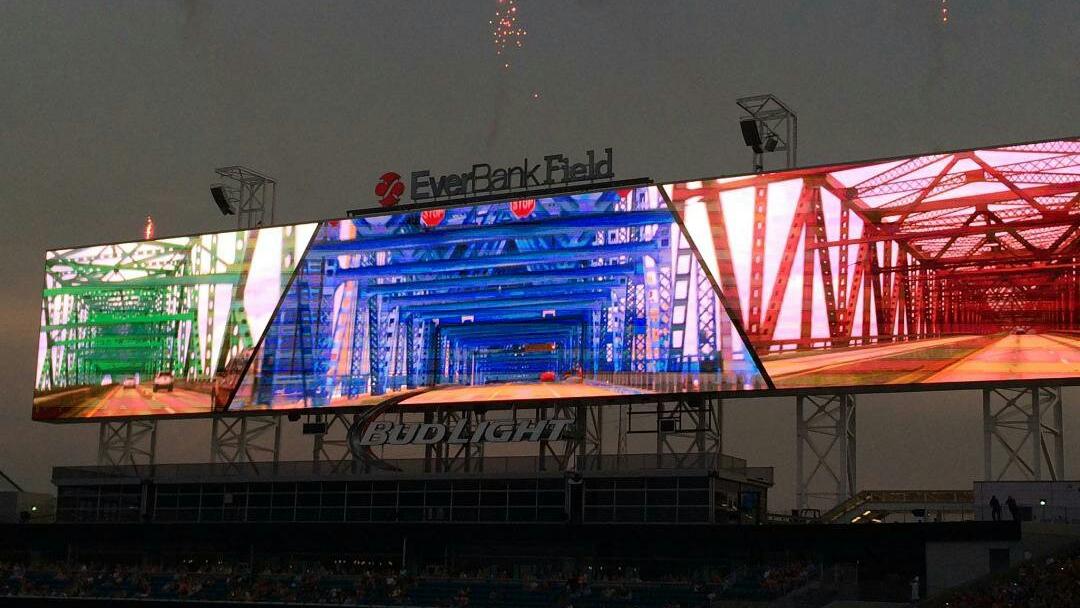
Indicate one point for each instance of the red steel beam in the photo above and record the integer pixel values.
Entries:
(757, 260)
(787, 259)
(976, 200)
(1071, 221)
(824, 260)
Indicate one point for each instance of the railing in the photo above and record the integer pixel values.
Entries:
(1050, 514)
(690, 382)
(905, 497)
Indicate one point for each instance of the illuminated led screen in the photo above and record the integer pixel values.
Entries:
(591, 295)
(157, 327)
(946, 268)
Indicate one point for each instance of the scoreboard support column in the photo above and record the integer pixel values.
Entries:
(330, 448)
(581, 446)
(825, 451)
(690, 432)
(243, 440)
(127, 443)
(443, 457)
(1024, 427)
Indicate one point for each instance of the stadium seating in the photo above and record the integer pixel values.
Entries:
(1050, 582)
(388, 587)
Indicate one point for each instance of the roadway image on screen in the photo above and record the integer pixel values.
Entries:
(157, 327)
(580, 296)
(945, 268)
(131, 396)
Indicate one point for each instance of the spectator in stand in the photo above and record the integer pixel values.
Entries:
(357, 582)
(995, 508)
(1054, 583)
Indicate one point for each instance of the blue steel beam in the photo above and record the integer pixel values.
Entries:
(492, 280)
(492, 343)
(376, 361)
(512, 339)
(556, 256)
(509, 325)
(452, 235)
(504, 336)
(506, 342)
(536, 303)
(511, 314)
(465, 299)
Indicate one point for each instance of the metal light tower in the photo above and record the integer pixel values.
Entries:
(769, 126)
(250, 196)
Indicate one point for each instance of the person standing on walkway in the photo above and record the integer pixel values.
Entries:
(1014, 509)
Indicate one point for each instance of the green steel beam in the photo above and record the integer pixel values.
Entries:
(112, 341)
(122, 319)
(223, 278)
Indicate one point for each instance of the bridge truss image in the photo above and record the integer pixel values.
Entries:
(946, 268)
(155, 327)
(585, 296)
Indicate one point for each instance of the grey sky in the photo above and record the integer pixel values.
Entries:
(110, 111)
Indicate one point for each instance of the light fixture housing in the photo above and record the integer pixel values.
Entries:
(221, 199)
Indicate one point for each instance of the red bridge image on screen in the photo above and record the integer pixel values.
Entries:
(944, 268)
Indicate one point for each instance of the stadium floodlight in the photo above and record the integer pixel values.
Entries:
(221, 199)
(768, 126)
(248, 194)
(750, 134)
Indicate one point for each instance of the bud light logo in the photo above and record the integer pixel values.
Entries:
(389, 189)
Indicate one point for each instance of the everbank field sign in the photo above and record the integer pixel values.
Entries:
(484, 180)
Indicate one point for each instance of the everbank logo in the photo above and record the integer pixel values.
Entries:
(389, 189)
(557, 170)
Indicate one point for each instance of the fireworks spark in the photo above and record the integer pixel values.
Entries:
(944, 11)
(506, 33)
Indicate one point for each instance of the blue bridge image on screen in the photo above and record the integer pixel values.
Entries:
(582, 296)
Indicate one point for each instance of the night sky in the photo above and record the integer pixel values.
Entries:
(112, 111)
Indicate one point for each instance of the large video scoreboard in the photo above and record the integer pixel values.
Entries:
(940, 270)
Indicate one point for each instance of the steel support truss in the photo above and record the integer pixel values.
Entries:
(253, 195)
(825, 451)
(581, 445)
(688, 430)
(1026, 425)
(330, 449)
(127, 443)
(242, 440)
(444, 457)
(778, 127)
